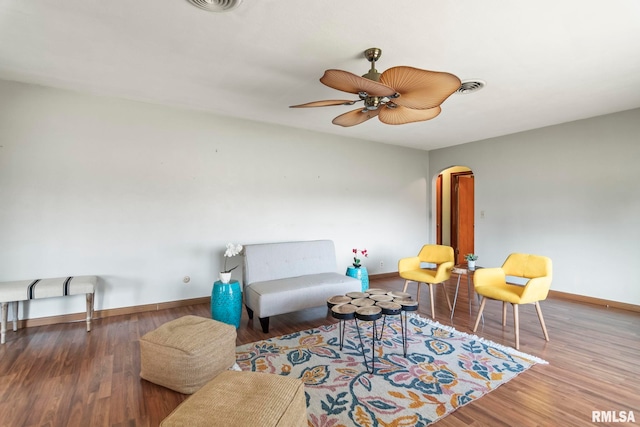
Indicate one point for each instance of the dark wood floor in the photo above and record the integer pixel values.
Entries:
(60, 375)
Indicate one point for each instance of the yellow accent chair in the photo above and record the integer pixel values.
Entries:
(411, 270)
(492, 283)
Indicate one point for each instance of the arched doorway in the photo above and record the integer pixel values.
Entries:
(455, 210)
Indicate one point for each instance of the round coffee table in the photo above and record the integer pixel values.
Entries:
(370, 306)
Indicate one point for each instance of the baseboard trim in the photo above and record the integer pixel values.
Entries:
(100, 314)
(555, 295)
(384, 275)
(591, 300)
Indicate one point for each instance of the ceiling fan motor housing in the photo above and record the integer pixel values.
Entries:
(372, 102)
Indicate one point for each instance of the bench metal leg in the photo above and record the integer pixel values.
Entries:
(3, 328)
(15, 316)
(89, 311)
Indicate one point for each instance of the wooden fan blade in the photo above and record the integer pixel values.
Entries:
(349, 82)
(326, 103)
(400, 115)
(354, 117)
(420, 89)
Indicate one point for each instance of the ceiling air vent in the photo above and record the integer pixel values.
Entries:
(216, 5)
(469, 86)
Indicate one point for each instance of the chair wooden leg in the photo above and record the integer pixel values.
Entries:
(444, 288)
(504, 313)
(433, 310)
(516, 325)
(406, 283)
(544, 328)
(484, 300)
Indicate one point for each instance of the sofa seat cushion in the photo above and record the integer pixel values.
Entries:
(280, 296)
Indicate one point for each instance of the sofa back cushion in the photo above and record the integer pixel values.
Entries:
(274, 261)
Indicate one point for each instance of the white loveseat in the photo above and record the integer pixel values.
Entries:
(284, 277)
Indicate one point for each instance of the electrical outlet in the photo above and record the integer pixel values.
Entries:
(381, 264)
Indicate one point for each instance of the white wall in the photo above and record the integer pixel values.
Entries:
(570, 192)
(143, 195)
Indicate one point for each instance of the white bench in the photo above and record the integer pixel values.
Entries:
(25, 290)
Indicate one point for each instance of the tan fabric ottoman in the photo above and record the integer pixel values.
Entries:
(186, 353)
(243, 399)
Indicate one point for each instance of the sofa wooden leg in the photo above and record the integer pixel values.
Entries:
(264, 322)
(249, 312)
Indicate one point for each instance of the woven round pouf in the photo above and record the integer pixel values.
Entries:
(239, 399)
(186, 353)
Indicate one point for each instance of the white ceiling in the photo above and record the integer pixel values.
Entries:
(545, 62)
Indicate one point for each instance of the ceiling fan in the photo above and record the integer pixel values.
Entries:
(397, 96)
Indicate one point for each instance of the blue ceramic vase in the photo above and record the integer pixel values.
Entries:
(361, 274)
(226, 302)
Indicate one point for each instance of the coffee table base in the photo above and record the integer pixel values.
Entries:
(344, 311)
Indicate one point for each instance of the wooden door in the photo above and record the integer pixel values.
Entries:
(462, 212)
(439, 210)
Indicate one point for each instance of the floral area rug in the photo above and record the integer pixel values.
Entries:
(444, 369)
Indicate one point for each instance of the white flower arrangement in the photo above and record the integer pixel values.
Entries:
(232, 250)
